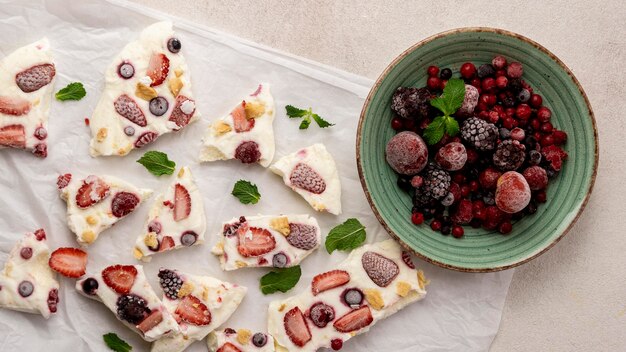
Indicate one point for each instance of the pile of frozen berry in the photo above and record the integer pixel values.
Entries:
(495, 170)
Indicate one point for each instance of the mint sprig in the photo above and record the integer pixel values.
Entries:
(306, 115)
(281, 280)
(448, 103)
(346, 236)
(157, 163)
(246, 192)
(115, 343)
(73, 91)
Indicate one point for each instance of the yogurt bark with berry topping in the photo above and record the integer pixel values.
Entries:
(27, 284)
(26, 83)
(246, 134)
(242, 340)
(95, 203)
(126, 292)
(176, 219)
(147, 93)
(278, 241)
(312, 173)
(374, 282)
(200, 305)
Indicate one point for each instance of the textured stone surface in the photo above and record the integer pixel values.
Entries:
(572, 298)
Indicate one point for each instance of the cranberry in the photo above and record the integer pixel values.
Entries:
(444, 82)
(502, 82)
(488, 84)
(536, 100)
(468, 70)
(541, 196)
(509, 123)
(494, 214)
(336, 344)
(535, 124)
(457, 231)
(26, 253)
(417, 218)
(476, 82)
(433, 71)
(544, 114)
(480, 214)
(465, 191)
(396, 123)
(546, 140)
(523, 111)
(560, 137)
(505, 227)
(499, 62)
(515, 70)
(478, 204)
(433, 83)
(500, 73)
(435, 225)
(518, 134)
(546, 127)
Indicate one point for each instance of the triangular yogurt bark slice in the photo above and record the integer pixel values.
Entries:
(374, 282)
(126, 292)
(312, 173)
(26, 86)
(147, 93)
(95, 203)
(246, 133)
(277, 241)
(27, 284)
(241, 340)
(200, 305)
(176, 219)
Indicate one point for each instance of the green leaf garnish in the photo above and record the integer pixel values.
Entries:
(306, 115)
(448, 103)
(157, 163)
(73, 91)
(281, 280)
(346, 236)
(115, 343)
(246, 192)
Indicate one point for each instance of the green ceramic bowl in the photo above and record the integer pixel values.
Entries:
(481, 250)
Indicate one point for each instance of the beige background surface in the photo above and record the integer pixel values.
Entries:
(572, 298)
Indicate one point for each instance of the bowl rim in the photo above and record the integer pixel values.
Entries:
(384, 74)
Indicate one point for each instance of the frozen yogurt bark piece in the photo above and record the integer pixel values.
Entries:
(246, 133)
(27, 284)
(95, 203)
(26, 83)
(147, 94)
(242, 340)
(126, 292)
(312, 173)
(278, 241)
(176, 219)
(374, 282)
(200, 305)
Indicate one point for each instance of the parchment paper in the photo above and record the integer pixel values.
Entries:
(461, 311)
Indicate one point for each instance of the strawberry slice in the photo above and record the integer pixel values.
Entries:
(182, 203)
(145, 138)
(35, 77)
(354, 320)
(158, 68)
(120, 278)
(152, 320)
(13, 136)
(14, 106)
(93, 190)
(240, 121)
(296, 327)
(259, 243)
(330, 279)
(128, 108)
(166, 243)
(193, 311)
(178, 116)
(228, 347)
(69, 262)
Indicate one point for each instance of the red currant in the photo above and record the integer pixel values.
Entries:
(546, 140)
(475, 82)
(505, 227)
(336, 344)
(536, 100)
(544, 114)
(457, 231)
(417, 218)
(560, 137)
(546, 127)
(523, 111)
(488, 84)
(468, 70)
(535, 124)
(541, 196)
(433, 71)
(435, 225)
(397, 124)
(433, 83)
(502, 82)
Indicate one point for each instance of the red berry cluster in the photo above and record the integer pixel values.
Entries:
(474, 198)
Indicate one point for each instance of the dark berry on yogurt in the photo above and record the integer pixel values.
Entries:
(126, 70)
(174, 45)
(158, 106)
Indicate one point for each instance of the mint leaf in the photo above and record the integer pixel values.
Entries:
(321, 122)
(246, 192)
(115, 343)
(73, 91)
(346, 236)
(451, 126)
(293, 111)
(435, 130)
(305, 123)
(157, 163)
(439, 103)
(454, 94)
(281, 280)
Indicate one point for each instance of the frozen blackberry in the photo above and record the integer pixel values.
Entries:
(170, 283)
(479, 133)
(132, 308)
(436, 182)
(421, 198)
(485, 70)
(411, 102)
(509, 156)
(515, 85)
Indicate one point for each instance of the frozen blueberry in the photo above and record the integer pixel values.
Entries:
(129, 130)
(523, 96)
(126, 70)
(353, 297)
(90, 286)
(158, 106)
(279, 260)
(446, 73)
(534, 157)
(448, 200)
(504, 133)
(25, 288)
(259, 339)
(188, 238)
(174, 45)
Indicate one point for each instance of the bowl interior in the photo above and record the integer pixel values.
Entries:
(479, 249)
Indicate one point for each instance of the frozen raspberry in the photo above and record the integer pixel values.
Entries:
(463, 213)
(407, 153)
(411, 103)
(470, 101)
(509, 155)
(124, 203)
(488, 178)
(512, 192)
(554, 155)
(455, 189)
(452, 156)
(537, 177)
(518, 134)
(499, 62)
(248, 152)
(321, 314)
(515, 70)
